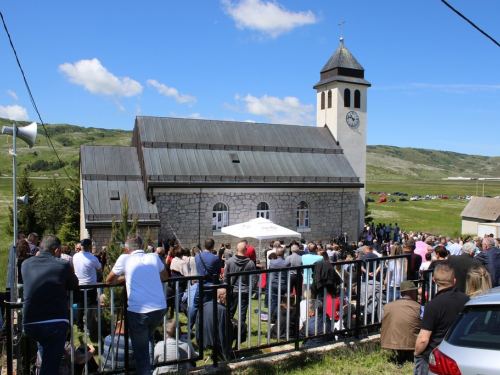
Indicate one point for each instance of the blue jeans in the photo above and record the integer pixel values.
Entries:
(50, 338)
(193, 311)
(391, 293)
(142, 328)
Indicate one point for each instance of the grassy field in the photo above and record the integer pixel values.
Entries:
(440, 216)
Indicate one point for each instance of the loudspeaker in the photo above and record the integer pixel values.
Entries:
(27, 133)
(23, 199)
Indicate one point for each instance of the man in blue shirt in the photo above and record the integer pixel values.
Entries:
(278, 279)
(207, 265)
(307, 259)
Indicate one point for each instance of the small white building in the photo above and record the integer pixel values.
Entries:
(480, 210)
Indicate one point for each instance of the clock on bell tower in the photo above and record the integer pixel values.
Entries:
(342, 107)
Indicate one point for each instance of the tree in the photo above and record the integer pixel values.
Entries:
(368, 218)
(28, 217)
(69, 232)
(53, 205)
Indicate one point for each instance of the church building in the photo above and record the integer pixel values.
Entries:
(189, 178)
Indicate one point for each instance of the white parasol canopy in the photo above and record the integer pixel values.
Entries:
(259, 228)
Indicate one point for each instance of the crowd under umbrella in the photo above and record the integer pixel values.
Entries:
(260, 229)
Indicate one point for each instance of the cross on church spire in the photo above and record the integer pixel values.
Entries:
(341, 31)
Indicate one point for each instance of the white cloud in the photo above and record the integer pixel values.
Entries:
(194, 115)
(288, 110)
(171, 92)
(14, 112)
(268, 17)
(98, 80)
(12, 94)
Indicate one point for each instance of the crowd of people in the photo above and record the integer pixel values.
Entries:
(47, 270)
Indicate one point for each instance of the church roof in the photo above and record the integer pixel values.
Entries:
(342, 67)
(342, 58)
(108, 174)
(187, 152)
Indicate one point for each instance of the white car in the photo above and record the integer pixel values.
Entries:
(472, 345)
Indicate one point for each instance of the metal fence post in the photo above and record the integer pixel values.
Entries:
(358, 300)
(8, 321)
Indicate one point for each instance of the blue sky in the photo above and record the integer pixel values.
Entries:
(435, 80)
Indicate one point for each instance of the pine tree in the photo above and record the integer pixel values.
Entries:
(28, 217)
(69, 233)
(53, 205)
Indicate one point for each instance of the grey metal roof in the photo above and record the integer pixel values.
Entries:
(342, 58)
(190, 152)
(482, 208)
(106, 170)
(338, 78)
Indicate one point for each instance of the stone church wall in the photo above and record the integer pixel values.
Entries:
(101, 236)
(188, 216)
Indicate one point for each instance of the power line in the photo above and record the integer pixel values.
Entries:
(49, 140)
(469, 21)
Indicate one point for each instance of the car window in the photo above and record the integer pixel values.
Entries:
(477, 327)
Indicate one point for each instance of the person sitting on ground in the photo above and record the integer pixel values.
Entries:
(113, 352)
(79, 360)
(287, 313)
(318, 323)
(478, 281)
(401, 323)
(173, 349)
(219, 343)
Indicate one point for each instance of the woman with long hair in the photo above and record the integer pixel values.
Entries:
(478, 281)
(23, 253)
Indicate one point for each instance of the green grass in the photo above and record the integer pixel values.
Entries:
(363, 359)
(439, 216)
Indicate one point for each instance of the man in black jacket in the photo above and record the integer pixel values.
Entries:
(236, 264)
(45, 312)
(490, 259)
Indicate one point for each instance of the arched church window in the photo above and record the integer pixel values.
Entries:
(357, 99)
(219, 217)
(303, 215)
(347, 98)
(323, 100)
(263, 210)
(329, 98)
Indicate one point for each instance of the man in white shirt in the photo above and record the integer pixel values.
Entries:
(86, 266)
(143, 275)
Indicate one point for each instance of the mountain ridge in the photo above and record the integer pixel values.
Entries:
(384, 163)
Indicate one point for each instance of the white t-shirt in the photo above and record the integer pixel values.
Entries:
(397, 275)
(142, 277)
(85, 265)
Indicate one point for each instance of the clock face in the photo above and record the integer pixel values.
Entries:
(352, 119)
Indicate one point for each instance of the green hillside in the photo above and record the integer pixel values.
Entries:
(389, 163)
(384, 163)
(66, 139)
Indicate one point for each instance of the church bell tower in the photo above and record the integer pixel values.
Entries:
(341, 106)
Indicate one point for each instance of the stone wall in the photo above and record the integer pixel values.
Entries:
(188, 216)
(101, 236)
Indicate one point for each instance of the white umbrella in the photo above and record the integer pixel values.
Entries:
(259, 228)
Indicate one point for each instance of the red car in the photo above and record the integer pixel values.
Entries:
(382, 194)
(443, 197)
(382, 200)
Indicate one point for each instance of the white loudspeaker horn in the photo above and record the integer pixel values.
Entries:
(27, 133)
(23, 199)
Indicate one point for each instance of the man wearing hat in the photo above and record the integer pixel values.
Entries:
(86, 266)
(401, 323)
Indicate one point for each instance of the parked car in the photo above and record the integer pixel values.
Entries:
(370, 200)
(403, 200)
(444, 197)
(472, 344)
(382, 200)
(382, 194)
(392, 200)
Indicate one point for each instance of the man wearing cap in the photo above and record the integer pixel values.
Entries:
(401, 323)
(86, 266)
